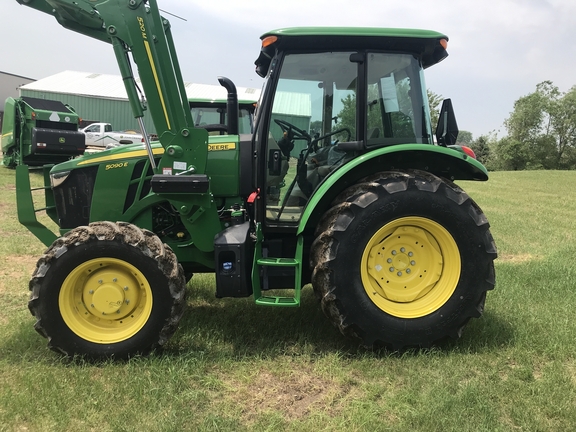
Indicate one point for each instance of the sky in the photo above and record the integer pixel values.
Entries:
(499, 50)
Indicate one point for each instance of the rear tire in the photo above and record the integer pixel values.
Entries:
(403, 259)
(107, 290)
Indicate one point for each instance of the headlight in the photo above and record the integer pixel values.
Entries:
(57, 179)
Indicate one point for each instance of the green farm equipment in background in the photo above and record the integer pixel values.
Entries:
(211, 113)
(39, 131)
(340, 185)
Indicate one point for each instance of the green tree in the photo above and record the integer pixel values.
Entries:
(464, 138)
(563, 128)
(434, 102)
(512, 155)
(347, 117)
(316, 127)
(541, 130)
(481, 147)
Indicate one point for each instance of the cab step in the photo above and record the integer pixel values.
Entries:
(278, 301)
(260, 262)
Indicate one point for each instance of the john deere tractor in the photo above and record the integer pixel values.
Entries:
(341, 185)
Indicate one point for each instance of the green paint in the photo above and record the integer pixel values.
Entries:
(260, 262)
(468, 169)
(26, 210)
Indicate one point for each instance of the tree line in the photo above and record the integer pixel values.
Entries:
(541, 132)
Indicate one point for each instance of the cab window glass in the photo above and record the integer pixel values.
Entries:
(396, 111)
(314, 108)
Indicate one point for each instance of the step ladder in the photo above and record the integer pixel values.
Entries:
(260, 262)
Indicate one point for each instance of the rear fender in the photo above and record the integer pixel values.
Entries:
(440, 161)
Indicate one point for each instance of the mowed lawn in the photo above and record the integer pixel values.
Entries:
(233, 366)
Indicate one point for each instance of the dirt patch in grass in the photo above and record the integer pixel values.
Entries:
(517, 259)
(295, 396)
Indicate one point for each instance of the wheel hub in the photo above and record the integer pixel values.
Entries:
(405, 265)
(110, 292)
(108, 298)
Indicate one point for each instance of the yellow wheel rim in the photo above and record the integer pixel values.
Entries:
(105, 300)
(410, 267)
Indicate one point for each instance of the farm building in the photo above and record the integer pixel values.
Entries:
(9, 85)
(102, 98)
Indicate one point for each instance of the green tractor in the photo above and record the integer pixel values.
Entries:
(341, 185)
(210, 113)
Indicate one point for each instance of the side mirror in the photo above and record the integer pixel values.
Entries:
(447, 128)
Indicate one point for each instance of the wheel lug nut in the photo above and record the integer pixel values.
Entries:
(394, 252)
(413, 262)
(408, 270)
(399, 273)
(100, 281)
(402, 250)
(410, 254)
(391, 269)
(91, 292)
(114, 280)
(125, 288)
(389, 260)
(92, 305)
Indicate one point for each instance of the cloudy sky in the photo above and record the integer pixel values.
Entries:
(499, 49)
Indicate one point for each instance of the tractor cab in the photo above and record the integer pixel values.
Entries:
(331, 96)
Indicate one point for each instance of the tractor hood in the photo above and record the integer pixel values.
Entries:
(115, 155)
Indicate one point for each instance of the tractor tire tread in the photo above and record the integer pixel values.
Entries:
(341, 214)
(143, 240)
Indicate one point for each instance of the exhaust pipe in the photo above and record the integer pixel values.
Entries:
(231, 105)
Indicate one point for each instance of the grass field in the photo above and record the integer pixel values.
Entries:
(233, 366)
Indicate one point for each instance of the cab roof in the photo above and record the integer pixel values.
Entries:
(356, 31)
(426, 44)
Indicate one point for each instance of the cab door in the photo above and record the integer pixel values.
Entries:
(311, 106)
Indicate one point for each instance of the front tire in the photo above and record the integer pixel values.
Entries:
(403, 259)
(107, 290)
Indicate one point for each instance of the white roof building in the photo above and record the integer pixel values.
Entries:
(112, 87)
(102, 97)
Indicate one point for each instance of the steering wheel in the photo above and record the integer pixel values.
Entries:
(290, 128)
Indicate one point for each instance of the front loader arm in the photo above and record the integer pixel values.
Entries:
(136, 27)
(78, 17)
